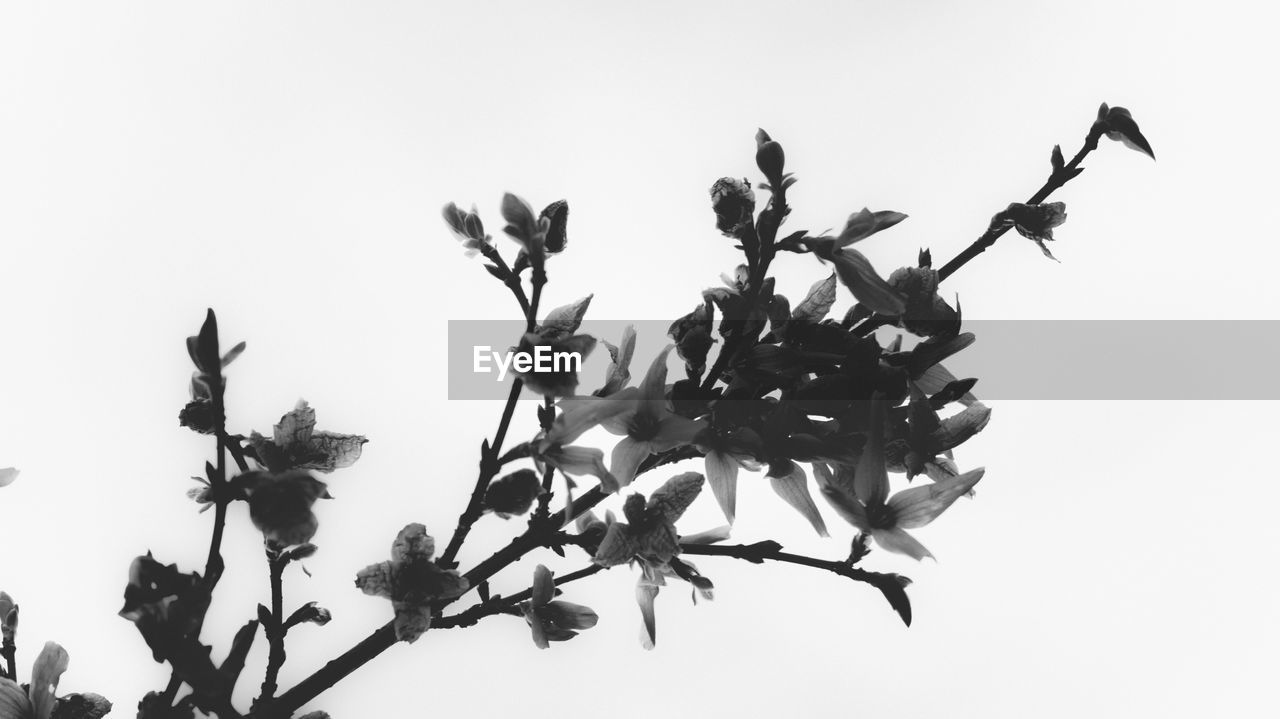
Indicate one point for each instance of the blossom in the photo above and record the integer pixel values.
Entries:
(39, 701)
(563, 356)
(649, 538)
(726, 453)
(280, 504)
(644, 418)
(1034, 222)
(7, 475)
(295, 444)
(860, 495)
(553, 620)
(411, 581)
(733, 202)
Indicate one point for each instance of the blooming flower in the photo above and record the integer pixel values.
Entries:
(553, 620)
(649, 538)
(280, 504)
(861, 496)
(40, 702)
(726, 453)
(645, 420)
(411, 581)
(295, 444)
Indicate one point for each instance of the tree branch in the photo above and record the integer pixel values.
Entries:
(1057, 179)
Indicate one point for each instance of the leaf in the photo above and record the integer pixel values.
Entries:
(894, 589)
(866, 223)
(815, 305)
(1121, 127)
(564, 321)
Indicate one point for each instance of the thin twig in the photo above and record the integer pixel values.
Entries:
(1057, 179)
(276, 562)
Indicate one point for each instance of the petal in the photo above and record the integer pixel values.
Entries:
(48, 669)
(645, 594)
(710, 536)
(840, 499)
(7, 475)
(535, 625)
(543, 587)
(654, 387)
(675, 495)
(722, 475)
(14, 703)
(377, 579)
(296, 426)
(579, 414)
(794, 489)
(570, 616)
(625, 460)
(918, 506)
(856, 272)
(412, 542)
(675, 431)
(871, 477)
(898, 541)
(616, 547)
(959, 427)
(412, 620)
(579, 461)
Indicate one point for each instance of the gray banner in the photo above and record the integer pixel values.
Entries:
(1012, 359)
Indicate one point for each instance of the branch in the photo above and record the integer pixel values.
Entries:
(892, 586)
(384, 637)
(1057, 179)
(275, 629)
(505, 605)
(489, 467)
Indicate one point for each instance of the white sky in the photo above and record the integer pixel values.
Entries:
(286, 163)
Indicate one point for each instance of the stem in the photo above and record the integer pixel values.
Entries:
(504, 605)
(1056, 180)
(9, 651)
(489, 456)
(489, 467)
(384, 637)
(772, 551)
(275, 633)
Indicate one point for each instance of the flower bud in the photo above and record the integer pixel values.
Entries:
(769, 157)
(513, 495)
(557, 216)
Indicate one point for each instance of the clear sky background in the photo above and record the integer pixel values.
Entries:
(285, 163)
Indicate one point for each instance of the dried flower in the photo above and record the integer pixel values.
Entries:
(280, 504)
(295, 444)
(411, 581)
